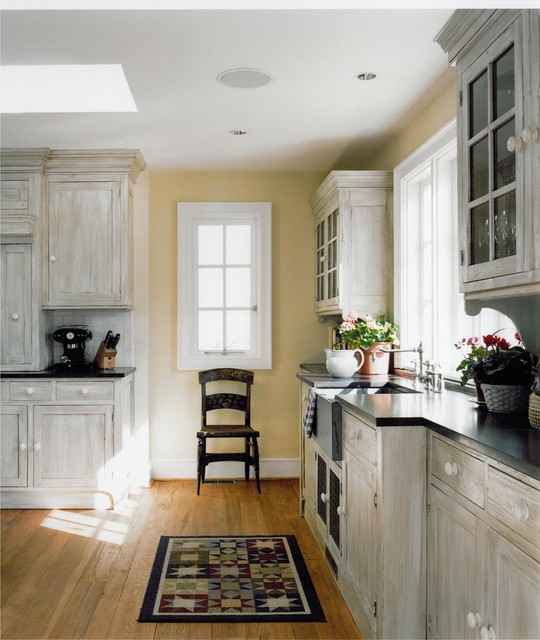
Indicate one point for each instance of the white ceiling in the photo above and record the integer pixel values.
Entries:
(314, 115)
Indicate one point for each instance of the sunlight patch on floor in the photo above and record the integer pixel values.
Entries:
(86, 526)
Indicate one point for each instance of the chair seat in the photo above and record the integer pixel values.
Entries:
(227, 431)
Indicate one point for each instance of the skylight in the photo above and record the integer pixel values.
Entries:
(65, 89)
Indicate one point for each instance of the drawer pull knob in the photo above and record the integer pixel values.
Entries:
(450, 468)
(474, 620)
(37, 446)
(488, 634)
(22, 446)
(520, 511)
(340, 511)
(52, 258)
(15, 316)
(29, 391)
(84, 391)
(324, 498)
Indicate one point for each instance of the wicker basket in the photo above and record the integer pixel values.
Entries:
(506, 398)
(534, 409)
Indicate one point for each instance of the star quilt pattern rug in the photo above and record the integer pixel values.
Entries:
(217, 579)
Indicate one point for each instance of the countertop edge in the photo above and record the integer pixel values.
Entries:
(46, 374)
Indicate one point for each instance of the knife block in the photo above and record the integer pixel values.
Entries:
(105, 358)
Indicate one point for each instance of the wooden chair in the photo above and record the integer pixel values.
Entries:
(238, 402)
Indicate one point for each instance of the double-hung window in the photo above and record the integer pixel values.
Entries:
(224, 281)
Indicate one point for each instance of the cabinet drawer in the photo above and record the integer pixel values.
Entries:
(360, 437)
(459, 470)
(30, 390)
(514, 503)
(85, 391)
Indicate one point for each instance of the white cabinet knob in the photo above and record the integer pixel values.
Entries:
(514, 144)
(29, 391)
(530, 134)
(37, 446)
(321, 259)
(488, 634)
(52, 258)
(22, 446)
(84, 391)
(474, 620)
(15, 316)
(340, 511)
(324, 498)
(520, 511)
(450, 468)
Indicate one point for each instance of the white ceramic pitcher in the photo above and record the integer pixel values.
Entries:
(342, 363)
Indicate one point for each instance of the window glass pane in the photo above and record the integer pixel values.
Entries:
(480, 234)
(238, 330)
(503, 83)
(238, 244)
(211, 330)
(478, 108)
(505, 225)
(505, 161)
(238, 287)
(479, 169)
(211, 287)
(210, 244)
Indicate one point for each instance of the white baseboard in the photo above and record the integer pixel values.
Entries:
(187, 468)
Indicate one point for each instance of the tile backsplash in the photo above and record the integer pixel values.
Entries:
(99, 322)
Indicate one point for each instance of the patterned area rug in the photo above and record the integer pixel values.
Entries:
(217, 579)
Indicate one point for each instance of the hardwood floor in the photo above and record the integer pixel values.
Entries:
(82, 574)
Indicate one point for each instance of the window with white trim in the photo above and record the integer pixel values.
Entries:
(428, 304)
(224, 279)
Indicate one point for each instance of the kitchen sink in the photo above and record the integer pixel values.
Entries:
(328, 432)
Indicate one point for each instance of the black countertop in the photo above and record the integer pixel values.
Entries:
(508, 438)
(118, 372)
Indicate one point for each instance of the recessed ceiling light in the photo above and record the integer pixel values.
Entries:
(244, 78)
(70, 88)
(366, 75)
(237, 132)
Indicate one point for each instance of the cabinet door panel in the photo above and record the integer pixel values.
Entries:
(72, 445)
(455, 553)
(14, 446)
(360, 546)
(16, 314)
(84, 243)
(513, 590)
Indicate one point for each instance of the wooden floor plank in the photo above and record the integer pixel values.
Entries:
(88, 581)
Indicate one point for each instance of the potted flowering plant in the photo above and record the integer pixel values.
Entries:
(501, 370)
(366, 333)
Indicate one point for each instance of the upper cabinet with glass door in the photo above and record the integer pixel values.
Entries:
(353, 242)
(498, 65)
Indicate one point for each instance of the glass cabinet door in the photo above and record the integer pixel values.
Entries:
(492, 104)
(326, 240)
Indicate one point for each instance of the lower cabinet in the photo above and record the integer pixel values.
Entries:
(482, 545)
(65, 443)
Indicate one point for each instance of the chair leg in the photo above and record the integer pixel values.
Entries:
(256, 462)
(247, 459)
(201, 451)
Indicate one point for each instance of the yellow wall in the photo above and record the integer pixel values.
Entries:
(298, 336)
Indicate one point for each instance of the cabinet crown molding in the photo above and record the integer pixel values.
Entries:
(97, 161)
(17, 160)
(351, 180)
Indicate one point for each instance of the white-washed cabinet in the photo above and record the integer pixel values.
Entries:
(66, 443)
(383, 560)
(482, 546)
(13, 446)
(353, 242)
(88, 257)
(498, 64)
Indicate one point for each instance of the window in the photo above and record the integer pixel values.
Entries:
(428, 304)
(224, 279)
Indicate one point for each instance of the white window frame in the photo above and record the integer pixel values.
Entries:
(191, 215)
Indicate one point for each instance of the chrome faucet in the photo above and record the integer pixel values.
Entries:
(431, 378)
